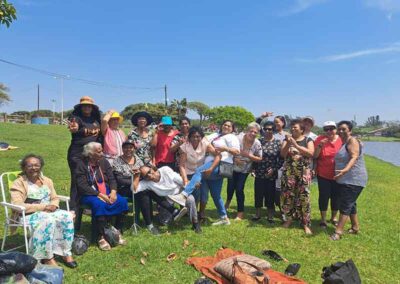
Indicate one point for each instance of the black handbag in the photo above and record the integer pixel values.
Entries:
(80, 244)
(341, 273)
(111, 234)
(225, 169)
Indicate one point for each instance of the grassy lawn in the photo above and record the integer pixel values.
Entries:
(375, 250)
(380, 139)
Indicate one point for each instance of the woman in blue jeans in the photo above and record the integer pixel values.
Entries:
(226, 145)
(250, 151)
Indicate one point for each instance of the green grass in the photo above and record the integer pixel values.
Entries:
(375, 250)
(380, 139)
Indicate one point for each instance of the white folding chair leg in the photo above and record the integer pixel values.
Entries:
(25, 233)
(3, 244)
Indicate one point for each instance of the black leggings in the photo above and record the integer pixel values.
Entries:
(328, 189)
(144, 199)
(264, 193)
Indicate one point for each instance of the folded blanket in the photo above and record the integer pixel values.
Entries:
(206, 266)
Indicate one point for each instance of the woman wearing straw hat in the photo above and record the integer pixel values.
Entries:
(142, 136)
(84, 125)
(113, 136)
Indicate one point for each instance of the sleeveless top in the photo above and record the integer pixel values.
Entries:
(357, 175)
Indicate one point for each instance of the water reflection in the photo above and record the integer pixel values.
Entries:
(387, 151)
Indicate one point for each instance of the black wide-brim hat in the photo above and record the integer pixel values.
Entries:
(144, 114)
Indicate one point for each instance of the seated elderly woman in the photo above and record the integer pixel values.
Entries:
(97, 188)
(52, 229)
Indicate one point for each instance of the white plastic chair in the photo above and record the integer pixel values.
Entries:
(16, 220)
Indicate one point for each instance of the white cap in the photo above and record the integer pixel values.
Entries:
(329, 123)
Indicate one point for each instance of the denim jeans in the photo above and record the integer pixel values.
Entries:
(236, 183)
(212, 184)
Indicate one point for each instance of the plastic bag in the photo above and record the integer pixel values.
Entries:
(16, 262)
(46, 274)
(341, 273)
(80, 244)
(111, 234)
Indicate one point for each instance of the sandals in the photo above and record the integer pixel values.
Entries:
(353, 231)
(323, 225)
(104, 245)
(335, 236)
(334, 222)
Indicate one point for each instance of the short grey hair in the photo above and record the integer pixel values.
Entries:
(89, 148)
(253, 125)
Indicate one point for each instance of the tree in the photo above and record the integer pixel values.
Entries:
(373, 121)
(4, 97)
(239, 115)
(200, 108)
(178, 107)
(7, 13)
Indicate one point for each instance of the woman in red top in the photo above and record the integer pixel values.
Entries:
(326, 147)
(162, 143)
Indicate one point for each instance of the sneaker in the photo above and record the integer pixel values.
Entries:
(154, 231)
(196, 228)
(222, 222)
(180, 214)
(178, 198)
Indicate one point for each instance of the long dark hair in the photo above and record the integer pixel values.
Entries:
(228, 120)
(96, 113)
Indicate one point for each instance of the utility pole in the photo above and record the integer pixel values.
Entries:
(38, 96)
(165, 95)
(62, 100)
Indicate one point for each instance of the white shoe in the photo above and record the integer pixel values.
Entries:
(181, 213)
(222, 222)
(122, 241)
(178, 198)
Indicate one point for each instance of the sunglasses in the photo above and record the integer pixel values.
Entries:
(329, 128)
(268, 129)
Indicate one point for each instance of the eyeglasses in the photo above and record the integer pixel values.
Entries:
(32, 166)
(329, 128)
(268, 129)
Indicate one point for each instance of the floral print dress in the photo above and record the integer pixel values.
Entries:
(143, 148)
(295, 184)
(51, 233)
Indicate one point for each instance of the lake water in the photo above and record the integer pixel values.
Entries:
(387, 151)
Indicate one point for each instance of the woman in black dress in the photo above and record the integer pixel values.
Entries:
(84, 125)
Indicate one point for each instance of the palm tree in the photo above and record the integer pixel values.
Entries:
(4, 97)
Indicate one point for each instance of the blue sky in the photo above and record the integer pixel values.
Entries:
(332, 59)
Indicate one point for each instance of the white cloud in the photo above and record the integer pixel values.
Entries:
(390, 7)
(302, 5)
(391, 48)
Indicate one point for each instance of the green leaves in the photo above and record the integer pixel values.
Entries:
(8, 13)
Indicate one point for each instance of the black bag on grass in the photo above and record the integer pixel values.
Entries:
(341, 273)
(80, 244)
(16, 262)
(111, 234)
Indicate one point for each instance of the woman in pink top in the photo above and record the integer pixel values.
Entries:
(193, 153)
(113, 136)
(326, 147)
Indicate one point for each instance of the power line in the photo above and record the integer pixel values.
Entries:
(72, 78)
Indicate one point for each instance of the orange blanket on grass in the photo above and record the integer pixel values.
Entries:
(206, 266)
